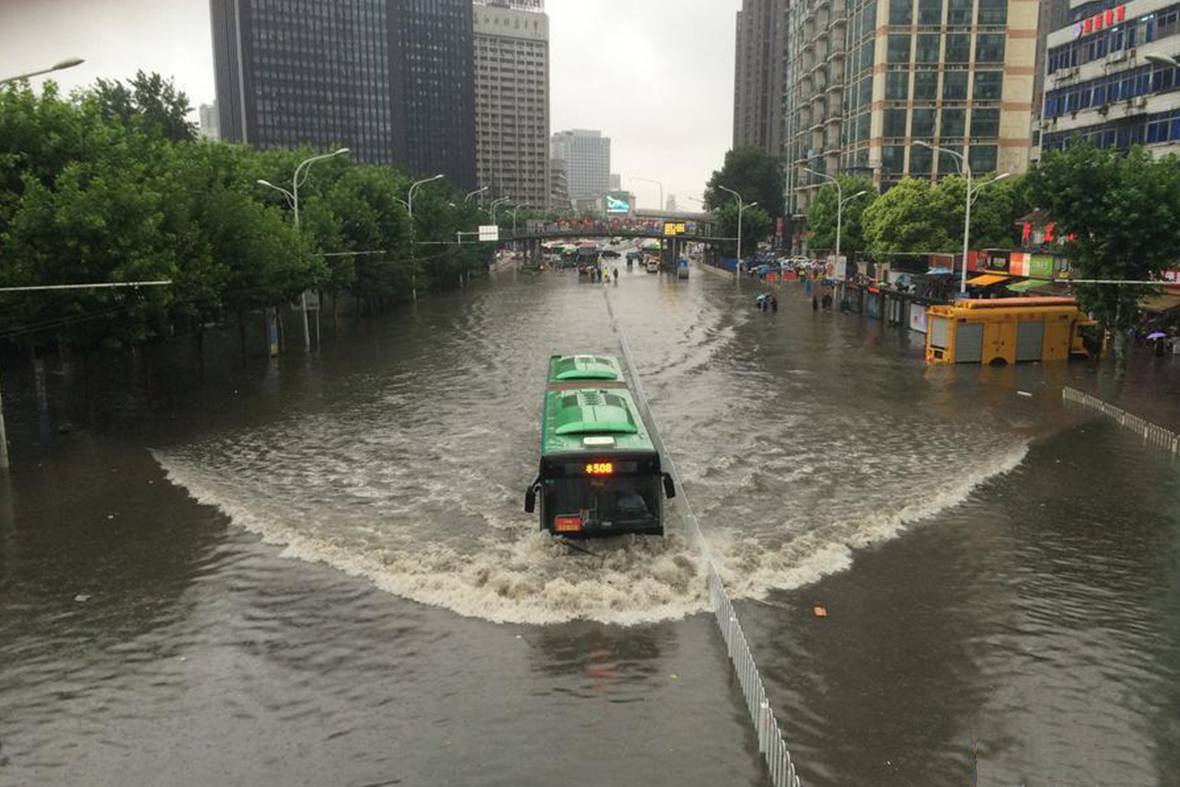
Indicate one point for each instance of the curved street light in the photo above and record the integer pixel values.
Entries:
(742, 206)
(61, 65)
(495, 204)
(841, 201)
(414, 185)
(514, 209)
(471, 194)
(656, 182)
(965, 168)
(293, 200)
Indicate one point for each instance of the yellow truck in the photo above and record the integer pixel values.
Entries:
(1005, 330)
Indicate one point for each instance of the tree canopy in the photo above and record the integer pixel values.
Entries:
(752, 173)
(111, 185)
(1120, 213)
(915, 216)
(822, 215)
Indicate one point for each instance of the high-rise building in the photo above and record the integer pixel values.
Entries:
(512, 99)
(616, 181)
(559, 186)
(208, 122)
(671, 202)
(1109, 80)
(587, 157)
(759, 88)
(871, 77)
(389, 79)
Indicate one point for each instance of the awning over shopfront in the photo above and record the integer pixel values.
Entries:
(986, 279)
(1026, 285)
(1158, 304)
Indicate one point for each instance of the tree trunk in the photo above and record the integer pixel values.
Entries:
(242, 334)
(200, 338)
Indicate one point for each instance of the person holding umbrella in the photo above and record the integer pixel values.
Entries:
(1157, 337)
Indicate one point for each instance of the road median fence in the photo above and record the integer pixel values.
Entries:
(1152, 434)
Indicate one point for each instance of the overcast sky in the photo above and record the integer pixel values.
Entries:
(656, 76)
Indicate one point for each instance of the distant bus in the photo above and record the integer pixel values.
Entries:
(599, 472)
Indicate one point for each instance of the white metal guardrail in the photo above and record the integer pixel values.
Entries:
(771, 745)
(1152, 434)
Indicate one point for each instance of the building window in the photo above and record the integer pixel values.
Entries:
(993, 12)
(894, 123)
(954, 85)
(927, 48)
(982, 158)
(988, 85)
(893, 159)
(959, 12)
(925, 85)
(923, 125)
(930, 12)
(897, 85)
(901, 12)
(958, 48)
(953, 123)
(989, 48)
(920, 159)
(899, 48)
(985, 122)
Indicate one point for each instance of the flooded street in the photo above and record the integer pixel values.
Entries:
(319, 571)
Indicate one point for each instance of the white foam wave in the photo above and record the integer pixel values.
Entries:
(522, 576)
(514, 574)
(751, 569)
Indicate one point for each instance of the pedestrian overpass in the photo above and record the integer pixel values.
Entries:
(672, 228)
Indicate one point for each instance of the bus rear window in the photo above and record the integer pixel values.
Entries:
(604, 501)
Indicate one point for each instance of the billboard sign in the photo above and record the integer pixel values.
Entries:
(489, 232)
(618, 202)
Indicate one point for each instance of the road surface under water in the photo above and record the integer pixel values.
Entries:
(322, 574)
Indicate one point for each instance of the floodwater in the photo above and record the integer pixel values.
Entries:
(318, 571)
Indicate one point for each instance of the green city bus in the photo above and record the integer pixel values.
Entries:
(599, 472)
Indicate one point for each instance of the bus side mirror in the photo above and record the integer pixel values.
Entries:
(530, 499)
(669, 487)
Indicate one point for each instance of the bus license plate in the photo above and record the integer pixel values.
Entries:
(567, 524)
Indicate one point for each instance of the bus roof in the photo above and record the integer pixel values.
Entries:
(592, 419)
(564, 368)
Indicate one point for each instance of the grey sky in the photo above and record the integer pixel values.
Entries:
(655, 75)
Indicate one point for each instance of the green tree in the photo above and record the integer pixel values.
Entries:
(756, 224)
(994, 213)
(149, 102)
(821, 216)
(1121, 213)
(749, 171)
(907, 218)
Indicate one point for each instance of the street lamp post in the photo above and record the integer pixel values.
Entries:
(59, 66)
(293, 198)
(496, 203)
(471, 194)
(410, 199)
(656, 182)
(413, 230)
(965, 168)
(514, 209)
(737, 269)
(841, 201)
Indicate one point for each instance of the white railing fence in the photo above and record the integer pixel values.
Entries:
(1152, 434)
(771, 745)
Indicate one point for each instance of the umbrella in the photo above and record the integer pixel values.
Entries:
(1151, 337)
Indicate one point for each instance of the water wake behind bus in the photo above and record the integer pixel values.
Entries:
(410, 471)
